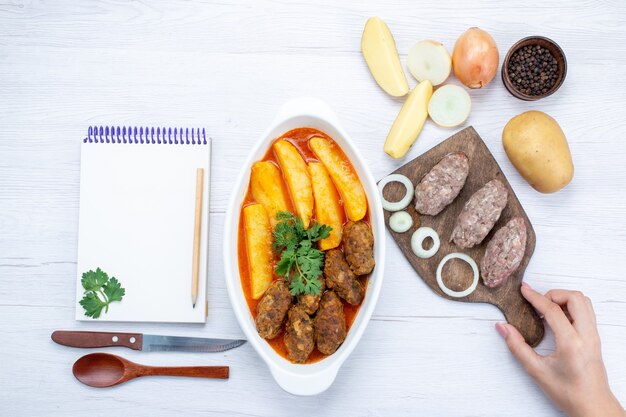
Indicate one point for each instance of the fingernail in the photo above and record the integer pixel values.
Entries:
(525, 284)
(501, 328)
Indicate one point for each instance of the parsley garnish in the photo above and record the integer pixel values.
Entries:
(300, 262)
(100, 291)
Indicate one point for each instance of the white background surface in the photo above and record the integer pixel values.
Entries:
(228, 66)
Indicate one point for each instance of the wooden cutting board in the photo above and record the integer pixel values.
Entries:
(457, 275)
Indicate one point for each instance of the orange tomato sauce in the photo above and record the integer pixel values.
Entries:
(300, 139)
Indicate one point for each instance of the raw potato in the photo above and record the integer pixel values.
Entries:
(268, 189)
(429, 60)
(343, 175)
(536, 145)
(449, 106)
(410, 120)
(259, 247)
(381, 56)
(297, 178)
(327, 208)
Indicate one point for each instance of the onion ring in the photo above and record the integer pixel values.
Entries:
(418, 238)
(400, 221)
(405, 201)
(448, 291)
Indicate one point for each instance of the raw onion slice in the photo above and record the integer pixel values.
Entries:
(448, 291)
(418, 239)
(405, 201)
(449, 106)
(400, 221)
(429, 60)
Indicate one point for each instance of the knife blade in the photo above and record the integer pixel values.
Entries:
(153, 343)
(143, 342)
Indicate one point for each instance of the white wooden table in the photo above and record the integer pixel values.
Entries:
(228, 66)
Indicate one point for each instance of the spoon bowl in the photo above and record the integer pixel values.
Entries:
(105, 370)
(100, 370)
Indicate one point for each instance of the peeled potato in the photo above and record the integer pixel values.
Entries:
(297, 178)
(381, 56)
(343, 175)
(327, 208)
(259, 247)
(410, 120)
(268, 189)
(449, 106)
(429, 60)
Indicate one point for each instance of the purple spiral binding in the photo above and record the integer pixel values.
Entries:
(145, 135)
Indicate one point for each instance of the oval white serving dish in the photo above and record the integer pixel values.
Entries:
(309, 379)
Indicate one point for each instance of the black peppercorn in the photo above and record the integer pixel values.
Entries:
(533, 70)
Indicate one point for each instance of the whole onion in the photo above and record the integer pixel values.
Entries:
(475, 58)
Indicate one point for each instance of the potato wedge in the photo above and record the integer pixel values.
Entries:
(328, 211)
(297, 178)
(409, 122)
(343, 175)
(268, 189)
(380, 53)
(259, 246)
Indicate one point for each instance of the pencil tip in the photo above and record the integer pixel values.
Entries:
(194, 305)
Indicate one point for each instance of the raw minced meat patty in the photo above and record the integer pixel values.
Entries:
(480, 214)
(442, 184)
(504, 253)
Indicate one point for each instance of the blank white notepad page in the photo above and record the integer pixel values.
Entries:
(137, 205)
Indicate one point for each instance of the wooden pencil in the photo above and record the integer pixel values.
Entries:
(196, 236)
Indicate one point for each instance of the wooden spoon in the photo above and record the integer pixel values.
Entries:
(105, 370)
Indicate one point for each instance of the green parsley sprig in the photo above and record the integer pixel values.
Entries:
(100, 291)
(300, 263)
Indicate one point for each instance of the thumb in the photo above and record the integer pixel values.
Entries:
(524, 354)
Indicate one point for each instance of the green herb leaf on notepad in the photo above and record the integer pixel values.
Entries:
(100, 291)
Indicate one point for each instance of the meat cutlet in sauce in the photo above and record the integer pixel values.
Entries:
(299, 334)
(358, 247)
(309, 302)
(339, 277)
(272, 309)
(330, 324)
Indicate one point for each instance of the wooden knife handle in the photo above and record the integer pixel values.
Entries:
(97, 339)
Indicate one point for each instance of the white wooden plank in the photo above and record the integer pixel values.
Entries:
(228, 66)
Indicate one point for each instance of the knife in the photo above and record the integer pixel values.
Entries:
(143, 342)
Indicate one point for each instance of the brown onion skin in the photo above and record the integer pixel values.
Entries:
(475, 58)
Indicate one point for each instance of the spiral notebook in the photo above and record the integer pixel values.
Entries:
(136, 220)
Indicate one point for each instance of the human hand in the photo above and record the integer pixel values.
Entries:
(573, 376)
